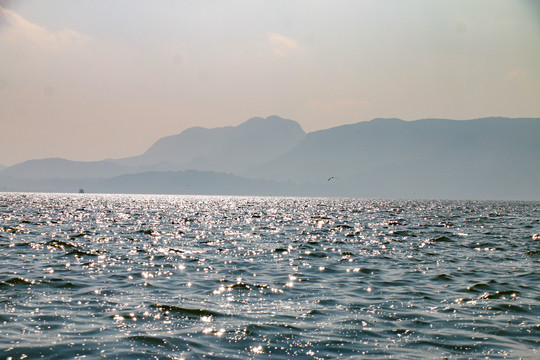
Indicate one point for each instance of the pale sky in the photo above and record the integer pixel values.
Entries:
(88, 80)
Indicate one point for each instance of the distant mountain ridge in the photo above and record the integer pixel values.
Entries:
(57, 168)
(189, 182)
(230, 149)
(488, 158)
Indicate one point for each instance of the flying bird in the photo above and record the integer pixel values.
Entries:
(331, 177)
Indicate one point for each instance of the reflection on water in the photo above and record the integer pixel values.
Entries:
(247, 277)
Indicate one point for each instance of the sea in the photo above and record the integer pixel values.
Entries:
(89, 276)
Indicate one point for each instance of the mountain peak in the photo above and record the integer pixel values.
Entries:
(272, 121)
(229, 148)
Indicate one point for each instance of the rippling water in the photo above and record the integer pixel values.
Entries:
(249, 277)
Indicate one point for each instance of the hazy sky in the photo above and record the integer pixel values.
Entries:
(87, 80)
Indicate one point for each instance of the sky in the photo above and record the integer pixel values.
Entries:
(89, 80)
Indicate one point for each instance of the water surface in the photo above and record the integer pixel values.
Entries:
(170, 277)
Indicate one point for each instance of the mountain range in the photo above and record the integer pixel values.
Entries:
(488, 158)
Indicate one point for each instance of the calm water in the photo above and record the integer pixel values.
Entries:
(173, 277)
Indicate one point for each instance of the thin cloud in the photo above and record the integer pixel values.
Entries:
(17, 30)
(281, 45)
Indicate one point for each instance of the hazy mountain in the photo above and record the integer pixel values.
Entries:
(180, 182)
(226, 149)
(231, 149)
(490, 158)
(193, 182)
(2, 167)
(55, 168)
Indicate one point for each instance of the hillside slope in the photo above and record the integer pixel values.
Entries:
(494, 158)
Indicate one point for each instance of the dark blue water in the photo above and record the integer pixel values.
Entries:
(173, 277)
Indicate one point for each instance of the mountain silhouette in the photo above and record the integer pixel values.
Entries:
(226, 149)
(488, 158)
(157, 182)
(230, 149)
(57, 168)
